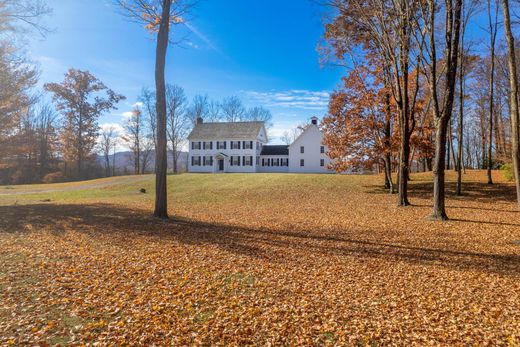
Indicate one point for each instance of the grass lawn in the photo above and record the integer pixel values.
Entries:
(259, 259)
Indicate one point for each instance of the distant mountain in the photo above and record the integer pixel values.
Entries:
(124, 161)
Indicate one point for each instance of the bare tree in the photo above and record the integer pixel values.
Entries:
(514, 111)
(147, 147)
(198, 108)
(147, 98)
(134, 136)
(21, 16)
(259, 113)
(468, 9)
(178, 121)
(107, 142)
(214, 113)
(286, 138)
(493, 28)
(232, 109)
(159, 16)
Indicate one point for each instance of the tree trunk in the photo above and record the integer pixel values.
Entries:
(439, 209)
(453, 16)
(460, 134)
(491, 104)
(161, 196)
(514, 112)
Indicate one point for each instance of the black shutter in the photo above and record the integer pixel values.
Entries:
(210, 161)
(199, 145)
(251, 159)
(238, 144)
(191, 160)
(193, 146)
(231, 161)
(251, 144)
(211, 145)
(225, 144)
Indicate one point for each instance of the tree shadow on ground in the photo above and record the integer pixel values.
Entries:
(474, 191)
(267, 244)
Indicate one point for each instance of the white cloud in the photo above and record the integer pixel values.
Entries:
(295, 98)
(127, 114)
(118, 128)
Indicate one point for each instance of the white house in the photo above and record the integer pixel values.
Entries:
(308, 153)
(226, 147)
(241, 147)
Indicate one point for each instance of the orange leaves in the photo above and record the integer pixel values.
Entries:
(270, 260)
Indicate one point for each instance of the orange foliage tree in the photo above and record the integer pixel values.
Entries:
(359, 130)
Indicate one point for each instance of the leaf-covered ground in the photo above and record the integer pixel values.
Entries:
(259, 259)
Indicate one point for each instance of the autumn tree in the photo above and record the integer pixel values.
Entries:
(359, 131)
(383, 28)
(513, 108)
(158, 16)
(81, 99)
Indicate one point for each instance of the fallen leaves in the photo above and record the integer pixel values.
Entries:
(273, 259)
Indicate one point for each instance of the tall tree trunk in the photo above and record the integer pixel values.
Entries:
(439, 195)
(453, 16)
(161, 196)
(493, 35)
(460, 134)
(514, 112)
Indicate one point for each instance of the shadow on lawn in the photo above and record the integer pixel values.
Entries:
(271, 245)
(474, 191)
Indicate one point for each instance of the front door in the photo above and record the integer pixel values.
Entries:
(221, 165)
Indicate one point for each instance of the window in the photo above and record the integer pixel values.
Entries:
(285, 162)
(208, 161)
(322, 162)
(235, 160)
(221, 144)
(263, 161)
(247, 160)
(257, 160)
(195, 161)
(322, 149)
(302, 150)
(235, 144)
(247, 144)
(302, 162)
(195, 145)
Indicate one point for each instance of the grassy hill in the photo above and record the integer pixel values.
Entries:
(258, 259)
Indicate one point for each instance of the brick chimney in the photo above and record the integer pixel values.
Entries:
(314, 120)
(200, 120)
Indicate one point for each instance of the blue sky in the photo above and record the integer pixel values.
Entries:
(262, 51)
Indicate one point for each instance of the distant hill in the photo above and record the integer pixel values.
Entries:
(124, 161)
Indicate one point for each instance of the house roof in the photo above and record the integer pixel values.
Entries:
(226, 130)
(275, 150)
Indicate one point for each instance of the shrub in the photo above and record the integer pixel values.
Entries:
(507, 172)
(54, 177)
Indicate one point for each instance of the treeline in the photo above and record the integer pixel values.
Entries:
(62, 140)
(418, 94)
